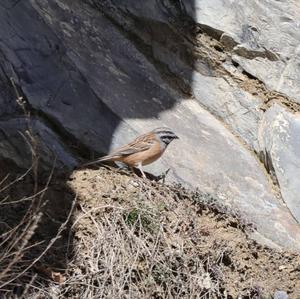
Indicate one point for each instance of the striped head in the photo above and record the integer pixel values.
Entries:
(165, 135)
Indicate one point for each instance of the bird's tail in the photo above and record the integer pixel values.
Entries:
(102, 159)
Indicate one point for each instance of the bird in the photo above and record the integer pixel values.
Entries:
(143, 150)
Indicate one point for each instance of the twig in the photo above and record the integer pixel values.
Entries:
(49, 245)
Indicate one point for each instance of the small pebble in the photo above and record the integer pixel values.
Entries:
(281, 295)
(134, 183)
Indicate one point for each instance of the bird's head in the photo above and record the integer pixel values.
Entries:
(165, 135)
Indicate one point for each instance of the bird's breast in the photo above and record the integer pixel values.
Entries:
(145, 157)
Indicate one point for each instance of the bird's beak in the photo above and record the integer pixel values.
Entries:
(176, 137)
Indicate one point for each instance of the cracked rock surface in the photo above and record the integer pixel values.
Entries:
(280, 142)
(94, 74)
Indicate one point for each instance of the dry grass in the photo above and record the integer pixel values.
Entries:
(137, 239)
(16, 237)
(22, 246)
(130, 253)
(23, 203)
(129, 238)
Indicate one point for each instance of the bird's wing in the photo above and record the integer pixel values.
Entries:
(140, 144)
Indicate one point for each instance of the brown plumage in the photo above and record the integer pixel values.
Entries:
(144, 150)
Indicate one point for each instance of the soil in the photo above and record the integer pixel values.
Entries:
(134, 238)
(196, 234)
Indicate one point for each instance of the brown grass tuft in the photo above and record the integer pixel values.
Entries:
(138, 239)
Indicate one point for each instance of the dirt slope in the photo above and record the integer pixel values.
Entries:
(137, 239)
(133, 238)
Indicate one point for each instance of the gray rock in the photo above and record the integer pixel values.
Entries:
(257, 24)
(235, 107)
(52, 84)
(281, 295)
(279, 141)
(266, 33)
(284, 76)
(16, 144)
(212, 159)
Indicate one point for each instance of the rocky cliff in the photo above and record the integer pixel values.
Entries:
(223, 74)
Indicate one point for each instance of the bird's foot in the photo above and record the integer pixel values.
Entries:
(162, 177)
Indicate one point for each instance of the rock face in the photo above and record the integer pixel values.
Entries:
(280, 143)
(94, 74)
(14, 143)
(263, 36)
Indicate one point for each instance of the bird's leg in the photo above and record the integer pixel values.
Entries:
(132, 170)
(140, 168)
(134, 173)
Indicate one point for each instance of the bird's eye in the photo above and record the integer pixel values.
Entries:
(166, 140)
